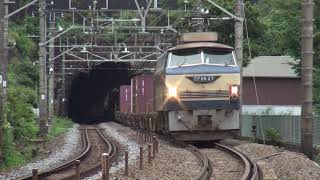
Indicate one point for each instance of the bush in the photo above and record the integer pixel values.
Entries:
(11, 156)
(19, 121)
(20, 127)
(59, 126)
(19, 114)
(273, 135)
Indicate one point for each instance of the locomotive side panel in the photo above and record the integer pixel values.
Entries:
(159, 91)
(160, 86)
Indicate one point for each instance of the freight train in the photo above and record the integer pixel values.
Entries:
(194, 92)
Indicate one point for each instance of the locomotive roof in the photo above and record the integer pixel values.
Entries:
(200, 45)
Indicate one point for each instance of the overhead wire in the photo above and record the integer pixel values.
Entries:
(252, 71)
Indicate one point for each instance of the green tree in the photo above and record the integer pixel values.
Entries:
(283, 23)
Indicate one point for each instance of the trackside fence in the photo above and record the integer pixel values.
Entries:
(287, 125)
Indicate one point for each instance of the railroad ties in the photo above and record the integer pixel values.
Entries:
(87, 163)
(98, 153)
(246, 170)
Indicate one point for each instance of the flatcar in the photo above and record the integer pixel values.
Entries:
(197, 89)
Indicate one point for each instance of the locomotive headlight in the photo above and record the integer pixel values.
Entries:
(172, 92)
(234, 91)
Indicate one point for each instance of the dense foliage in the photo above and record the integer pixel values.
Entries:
(282, 22)
(59, 126)
(20, 125)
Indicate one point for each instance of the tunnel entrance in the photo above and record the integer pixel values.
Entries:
(95, 95)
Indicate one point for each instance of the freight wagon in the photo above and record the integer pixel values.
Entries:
(125, 99)
(136, 103)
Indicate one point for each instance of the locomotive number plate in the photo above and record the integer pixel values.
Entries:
(203, 79)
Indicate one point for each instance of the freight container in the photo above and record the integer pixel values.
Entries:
(142, 94)
(125, 98)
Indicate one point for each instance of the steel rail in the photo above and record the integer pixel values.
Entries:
(206, 169)
(112, 151)
(86, 148)
(251, 169)
(113, 148)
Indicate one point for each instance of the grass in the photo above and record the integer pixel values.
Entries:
(317, 159)
(17, 155)
(59, 125)
(317, 154)
(12, 157)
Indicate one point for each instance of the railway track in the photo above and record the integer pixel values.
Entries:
(94, 144)
(235, 165)
(206, 169)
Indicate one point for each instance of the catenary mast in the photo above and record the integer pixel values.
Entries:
(306, 78)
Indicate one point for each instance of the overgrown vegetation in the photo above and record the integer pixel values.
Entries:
(20, 121)
(20, 125)
(317, 154)
(273, 136)
(59, 126)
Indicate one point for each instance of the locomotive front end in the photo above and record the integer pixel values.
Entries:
(202, 83)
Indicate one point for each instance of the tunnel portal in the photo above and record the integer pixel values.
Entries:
(94, 95)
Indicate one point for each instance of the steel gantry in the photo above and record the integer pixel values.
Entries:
(76, 40)
(80, 39)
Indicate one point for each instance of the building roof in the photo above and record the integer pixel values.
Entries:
(271, 66)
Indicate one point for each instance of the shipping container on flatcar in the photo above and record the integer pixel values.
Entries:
(125, 99)
(142, 94)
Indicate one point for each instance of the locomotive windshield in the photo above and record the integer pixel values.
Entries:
(218, 57)
(189, 57)
(200, 56)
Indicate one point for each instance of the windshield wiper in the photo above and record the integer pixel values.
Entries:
(184, 61)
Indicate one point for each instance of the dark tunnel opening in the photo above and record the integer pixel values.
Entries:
(95, 95)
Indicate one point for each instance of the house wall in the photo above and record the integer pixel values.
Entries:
(272, 91)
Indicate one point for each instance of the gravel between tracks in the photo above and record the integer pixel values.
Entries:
(70, 148)
(172, 162)
(285, 164)
(224, 165)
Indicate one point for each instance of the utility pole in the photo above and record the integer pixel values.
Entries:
(51, 70)
(238, 44)
(155, 4)
(143, 14)
(4, 64)
(43, 110)
(306, 78)
(2, 59)
(63, 103)
(6, 60)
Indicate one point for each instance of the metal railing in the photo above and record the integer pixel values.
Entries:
(287, 125)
